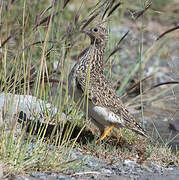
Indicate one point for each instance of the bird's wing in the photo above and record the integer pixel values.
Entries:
(101, 93)
(99, 90)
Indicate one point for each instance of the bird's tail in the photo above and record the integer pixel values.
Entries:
(133, 125)
(141, 131)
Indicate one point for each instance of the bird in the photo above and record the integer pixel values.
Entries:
(95, 95)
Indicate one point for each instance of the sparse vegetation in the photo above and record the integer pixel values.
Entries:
(38, 44)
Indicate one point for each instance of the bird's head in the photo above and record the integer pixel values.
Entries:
(98, 35)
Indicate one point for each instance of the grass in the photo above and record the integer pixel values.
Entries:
(37, 34)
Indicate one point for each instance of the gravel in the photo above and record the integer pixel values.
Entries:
(98, 169)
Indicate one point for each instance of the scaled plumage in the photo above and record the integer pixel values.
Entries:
(87, 79)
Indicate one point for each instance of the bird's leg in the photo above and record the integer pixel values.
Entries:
(106, 133)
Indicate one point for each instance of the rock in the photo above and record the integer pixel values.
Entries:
(45, 176)
(130, 162)
(113, 177)
(30, 105)
(1, 172)
(155, 168)
(75, 154)
(63, 177)
(174, 125)
(91, 161)
(106, 171)
(166, 175)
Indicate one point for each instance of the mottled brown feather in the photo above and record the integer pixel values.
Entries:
(89, 77)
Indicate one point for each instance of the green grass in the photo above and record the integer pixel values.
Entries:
(36, 37)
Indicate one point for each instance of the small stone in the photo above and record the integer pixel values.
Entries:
(63, 177)
(91, 161)
(105, 171)
(130, 162)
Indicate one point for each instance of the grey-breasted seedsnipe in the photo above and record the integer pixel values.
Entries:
(88, 84)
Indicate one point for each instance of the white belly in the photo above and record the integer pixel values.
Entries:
(104, 116)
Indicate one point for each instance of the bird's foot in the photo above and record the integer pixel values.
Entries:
(105, 133)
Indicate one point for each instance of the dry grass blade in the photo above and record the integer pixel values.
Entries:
(4, 42)
(48, 51)
(96, 8)
(114, 8)
(45, 10)
(12, 1)
(76, 19)
(122, 38)
(12, 82)
(89, 20)
(158, 95)
(137, 85)
(28, 81)
(114, 51)
(39, 42)
(140, 13)
(164, 83)
(168, 31)
(118, 48)
(44, 20)
(65, 3)
(69, 31)
(37, 17)
(109, 5)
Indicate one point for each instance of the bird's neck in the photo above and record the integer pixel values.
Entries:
(97, 58)
(92, 57)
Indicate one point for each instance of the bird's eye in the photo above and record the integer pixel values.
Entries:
(95, 29)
